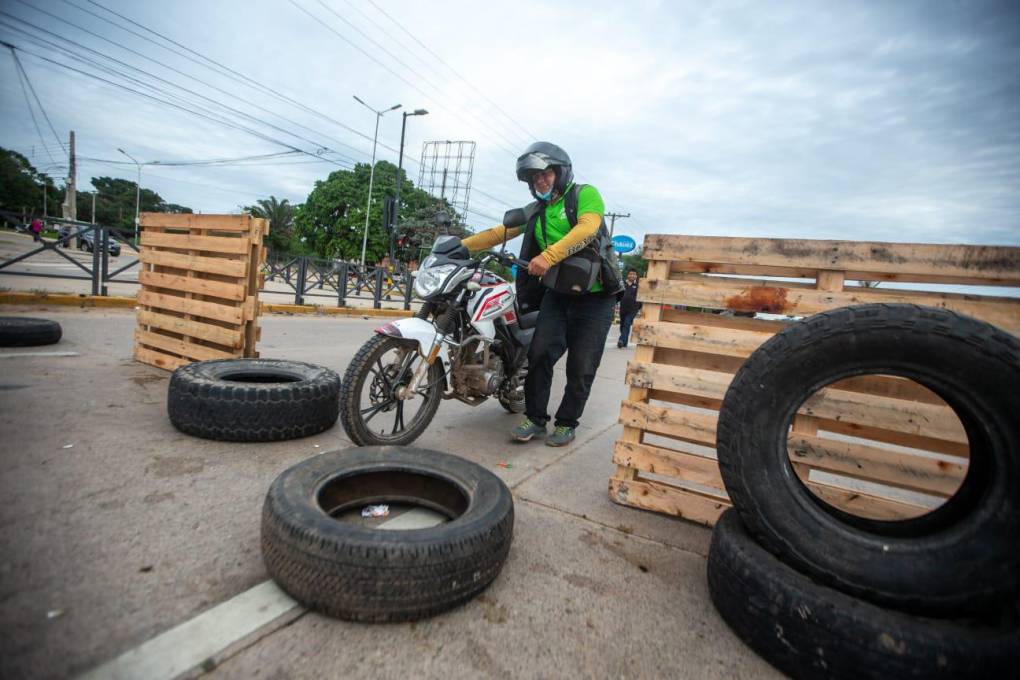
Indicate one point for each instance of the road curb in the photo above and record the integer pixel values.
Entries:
(121, 302)
(67, 300)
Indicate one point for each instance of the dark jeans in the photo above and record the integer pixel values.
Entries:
(577, 325)
(625, 323)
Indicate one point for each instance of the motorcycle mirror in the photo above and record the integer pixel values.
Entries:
(515, 218)
(443, 220)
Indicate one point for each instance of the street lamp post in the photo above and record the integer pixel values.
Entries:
(138, 189)
(371, 175)
(400, 167)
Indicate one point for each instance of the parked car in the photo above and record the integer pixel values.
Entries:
(88, 243)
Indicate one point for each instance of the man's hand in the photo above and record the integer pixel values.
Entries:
(538, 266)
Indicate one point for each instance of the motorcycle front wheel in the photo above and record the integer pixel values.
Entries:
(370, 411)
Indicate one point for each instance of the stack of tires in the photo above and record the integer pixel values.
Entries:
(818, 592)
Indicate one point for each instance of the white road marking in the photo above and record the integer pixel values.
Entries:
(209, 634)
(14, 355)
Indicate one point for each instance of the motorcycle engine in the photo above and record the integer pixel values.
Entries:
(477, 374)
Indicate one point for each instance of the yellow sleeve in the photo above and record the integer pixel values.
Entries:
(583, 233)
(490, 237)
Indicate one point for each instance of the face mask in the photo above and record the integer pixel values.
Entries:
(546, 196)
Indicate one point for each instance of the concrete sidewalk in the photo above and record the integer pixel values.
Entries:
(117, 528)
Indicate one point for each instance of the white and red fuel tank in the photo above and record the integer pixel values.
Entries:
(492, 301)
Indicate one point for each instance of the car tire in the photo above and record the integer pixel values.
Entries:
(961, 556)
(253, 400)
(376, 575)
(23, 331)
(806, 629)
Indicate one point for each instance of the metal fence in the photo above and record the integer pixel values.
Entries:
(311, 277)
(95, 237)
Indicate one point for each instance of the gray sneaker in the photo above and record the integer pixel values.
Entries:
(526, 430)
(561, 437)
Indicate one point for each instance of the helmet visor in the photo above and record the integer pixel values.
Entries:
(528, 165)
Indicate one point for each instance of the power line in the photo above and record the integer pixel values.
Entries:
(402, 63)
(175, 70)
(38, 101)
(387, 68)
(28, 102)
(236, 74)
(452, 70)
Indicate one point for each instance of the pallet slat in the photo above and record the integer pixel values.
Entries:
(220, 289)
(195, 263)
(189, 221)
(990, 264)
(793, 300)
(185, 349)
(210, 310)
(215, 244)
(227, 337)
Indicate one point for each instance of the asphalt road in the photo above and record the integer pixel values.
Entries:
(116, 528)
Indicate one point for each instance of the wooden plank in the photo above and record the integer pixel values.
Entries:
(210, 310)
(650, 313)
(658, 497)
(893, 468)
(220, 289)
(851, 275)
(661, 461)
(700, 338)
(866, 505)
(993, 265)
(229, 337)
(190, 221)
(194, 263)
(158, 359)
(697, 428)
(189, 350)
(214, 244)
(930, 420)
(792, 299)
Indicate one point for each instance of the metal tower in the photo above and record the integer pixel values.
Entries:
(446, 169)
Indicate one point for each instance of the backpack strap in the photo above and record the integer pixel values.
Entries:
(570, 204)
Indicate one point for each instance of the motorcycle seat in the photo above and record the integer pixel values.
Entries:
(526, 321)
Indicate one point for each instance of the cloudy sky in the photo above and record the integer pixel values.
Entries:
(884, 120)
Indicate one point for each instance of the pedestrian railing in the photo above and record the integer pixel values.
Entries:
(311, 278)
(97, 270)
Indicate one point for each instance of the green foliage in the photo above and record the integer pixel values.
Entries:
(634, 260)
(281, 225)
(115, 202)
(331, 221)
(21, 186)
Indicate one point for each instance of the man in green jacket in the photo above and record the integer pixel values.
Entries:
(573, 324)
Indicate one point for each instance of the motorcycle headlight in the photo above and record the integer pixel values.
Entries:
(429, 281)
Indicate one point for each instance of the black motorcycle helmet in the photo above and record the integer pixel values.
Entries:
(541, 156)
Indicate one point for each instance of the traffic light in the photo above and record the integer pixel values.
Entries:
(390, 213)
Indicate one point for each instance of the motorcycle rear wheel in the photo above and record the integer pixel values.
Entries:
(369, 410)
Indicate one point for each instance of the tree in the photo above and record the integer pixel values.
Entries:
(635, 260)
(332, 220)
(21, 186)
(281, 222)
(115, 202)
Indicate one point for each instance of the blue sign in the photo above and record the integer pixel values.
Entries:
(623, 244)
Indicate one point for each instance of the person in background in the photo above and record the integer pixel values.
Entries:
(629, 307)
(36, 229)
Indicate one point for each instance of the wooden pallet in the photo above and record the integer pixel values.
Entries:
(877, 446)
(200, 276)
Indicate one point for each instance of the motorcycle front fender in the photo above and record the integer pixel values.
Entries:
(418, 331)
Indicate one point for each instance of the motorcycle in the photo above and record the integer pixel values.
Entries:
(468, 342)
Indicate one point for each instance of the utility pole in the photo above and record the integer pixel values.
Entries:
(93, 207)
(400, 168)
(612, 220)
(371, 175)
(138, 189)
(71, 199)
